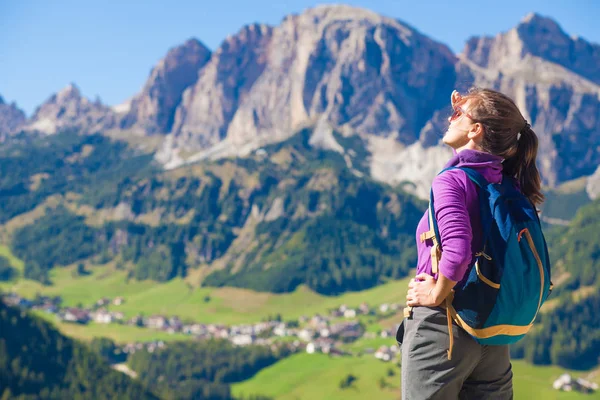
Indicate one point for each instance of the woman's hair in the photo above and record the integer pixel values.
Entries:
(508, 135)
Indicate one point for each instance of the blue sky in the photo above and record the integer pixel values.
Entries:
(108, 47)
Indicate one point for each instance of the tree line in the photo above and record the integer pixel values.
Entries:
(37, 362)
(201, 370)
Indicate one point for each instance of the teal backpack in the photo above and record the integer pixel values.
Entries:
(510, 280)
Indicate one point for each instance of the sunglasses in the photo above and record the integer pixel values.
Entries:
(459, 112)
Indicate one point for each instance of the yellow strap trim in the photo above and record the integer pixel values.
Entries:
(540, 266)
(435, 256)
(427, 235)
(449, 319)
(510, 330)
(484, 279)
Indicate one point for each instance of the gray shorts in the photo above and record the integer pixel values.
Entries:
(475, 371)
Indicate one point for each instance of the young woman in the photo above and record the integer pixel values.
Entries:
(489, 134)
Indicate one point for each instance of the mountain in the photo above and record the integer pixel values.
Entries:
(341, 68)
(209, 106)
(11, 118)
(362, 74)
(355, 69)
(68, 109)
(37, 362)
(336, 67)
(153, 109)
(540, 37)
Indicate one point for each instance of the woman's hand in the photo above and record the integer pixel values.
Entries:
(421, 291)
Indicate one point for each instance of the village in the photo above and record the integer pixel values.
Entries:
(315, 334)
(325, 334)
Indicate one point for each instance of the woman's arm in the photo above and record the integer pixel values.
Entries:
(454, 225)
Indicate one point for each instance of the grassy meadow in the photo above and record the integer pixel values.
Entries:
(318, 376)
(201, 304)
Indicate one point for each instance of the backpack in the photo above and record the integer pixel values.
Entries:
(510, 280)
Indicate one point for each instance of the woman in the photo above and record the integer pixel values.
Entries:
(488, 134)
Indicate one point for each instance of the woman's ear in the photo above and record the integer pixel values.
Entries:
(476, 133)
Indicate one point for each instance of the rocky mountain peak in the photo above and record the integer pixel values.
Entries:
(340, 11)
(69, 109)
(543, 37)
(536, 36)
(538, 22)
(12, 118)
(208, 106)
(250, 35)
(190, 51)
(69, 92)
(153, 109)
(354, 69)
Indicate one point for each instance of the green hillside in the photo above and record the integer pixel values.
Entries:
(563, 202)
(37, 362)
(297, 216)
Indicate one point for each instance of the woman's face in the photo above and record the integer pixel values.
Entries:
(457, 135)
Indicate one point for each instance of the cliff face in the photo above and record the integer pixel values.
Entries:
(358, 71)
(152, 110)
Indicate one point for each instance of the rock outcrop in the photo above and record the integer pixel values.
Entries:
(11, 118)
(152, 111)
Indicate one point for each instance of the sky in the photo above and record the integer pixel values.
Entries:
(107, 48)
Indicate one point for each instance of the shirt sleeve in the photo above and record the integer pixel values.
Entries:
(454, 224)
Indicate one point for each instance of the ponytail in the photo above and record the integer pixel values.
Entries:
(522, 165)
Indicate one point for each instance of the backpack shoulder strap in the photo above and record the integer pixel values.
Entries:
(474, 176)
(433, 233)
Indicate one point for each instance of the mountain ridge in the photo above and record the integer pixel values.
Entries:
(359, 73)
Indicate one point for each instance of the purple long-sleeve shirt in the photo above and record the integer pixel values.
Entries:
(457, 214)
